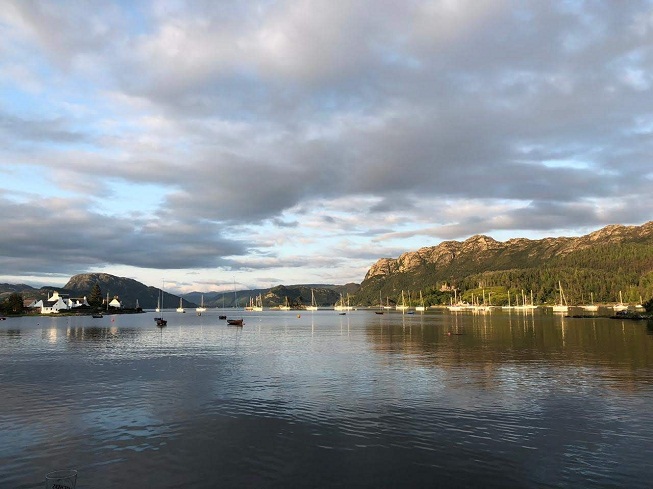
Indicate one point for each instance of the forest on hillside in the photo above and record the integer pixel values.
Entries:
(601, 272)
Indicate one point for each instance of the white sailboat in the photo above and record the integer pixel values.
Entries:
(181, 307)
(456, 305)
(421, 307)
(509, 307)
(285, 306)
(158, 304)
(562, 305)
(591, 306)
(341, 306)
(532, 305)
(258, 305)
(403, 306)
(313, 306)
(621, 306)
(201, 309)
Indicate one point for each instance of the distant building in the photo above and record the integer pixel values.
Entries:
(115, 303)
(58, 302)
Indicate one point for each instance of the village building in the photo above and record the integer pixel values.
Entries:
(58, 302)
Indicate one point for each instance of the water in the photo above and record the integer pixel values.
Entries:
(324, 400)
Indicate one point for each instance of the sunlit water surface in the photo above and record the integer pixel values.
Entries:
(326, 400)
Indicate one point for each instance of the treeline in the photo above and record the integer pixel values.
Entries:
(600, 272)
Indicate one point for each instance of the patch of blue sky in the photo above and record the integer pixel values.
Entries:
(125, 199)
(138, 20)
(25, 183)
(21, 102)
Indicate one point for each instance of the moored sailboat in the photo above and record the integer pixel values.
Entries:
(285, 306)
(160, 322)
(201, 309)
(562, 305)
(591, 306)
(403, 306)
(621, 306)
(421, 307)
(313, 306)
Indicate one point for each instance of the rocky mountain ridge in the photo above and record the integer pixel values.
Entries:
(479, 248)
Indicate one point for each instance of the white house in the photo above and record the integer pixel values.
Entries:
(58, 302)
(115, 303)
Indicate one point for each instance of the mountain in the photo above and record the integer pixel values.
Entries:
(615, 258)
(126, 289)
(25, 290)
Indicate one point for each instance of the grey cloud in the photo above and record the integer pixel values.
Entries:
(57, 235)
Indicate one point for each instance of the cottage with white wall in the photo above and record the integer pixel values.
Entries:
(58, 302)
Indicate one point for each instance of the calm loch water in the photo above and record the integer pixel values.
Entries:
(323, 400)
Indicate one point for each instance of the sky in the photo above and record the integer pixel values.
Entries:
(203, 144)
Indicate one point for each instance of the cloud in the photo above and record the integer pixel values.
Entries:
(231, 134)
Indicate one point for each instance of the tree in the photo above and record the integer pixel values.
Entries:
(15, 303)
(95, 297)
(648, 305)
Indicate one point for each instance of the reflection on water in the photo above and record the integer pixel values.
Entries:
(320, 399)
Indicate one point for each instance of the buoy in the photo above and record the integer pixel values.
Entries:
(298, 315)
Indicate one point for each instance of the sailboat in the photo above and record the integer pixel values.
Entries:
(201, 309)
(380, 311)
(621, 306)
(591, 306)
(421, 307)
(456, 305)
(509, 307)
(158, 304)
(313, 306)
(160, 322)
(402, 306)
(258, 305)
(341, 306)
(181, 307)
(286, 306)
(562, 305)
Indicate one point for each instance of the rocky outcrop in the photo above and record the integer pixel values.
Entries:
(489, 254)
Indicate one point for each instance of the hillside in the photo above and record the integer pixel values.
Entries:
(615, 258)
(325, 295)
(128, 290)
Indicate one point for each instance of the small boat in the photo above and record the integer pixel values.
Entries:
(235, 322)
(222, 317)
(98, 316)
(181, 307)
(160, 322)
(2, 318)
